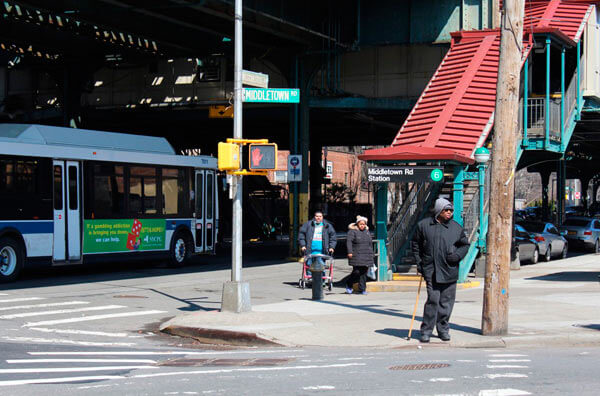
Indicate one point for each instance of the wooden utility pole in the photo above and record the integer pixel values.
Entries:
(506, 135)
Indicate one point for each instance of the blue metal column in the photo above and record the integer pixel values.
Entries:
(525, 102)
(381, 215)
(481, 241)
(458, 192)
(547, 115)
(562, 100)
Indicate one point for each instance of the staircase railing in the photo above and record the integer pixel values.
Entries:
(410, 211)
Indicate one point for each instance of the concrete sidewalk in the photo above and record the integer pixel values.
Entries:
(555, 303)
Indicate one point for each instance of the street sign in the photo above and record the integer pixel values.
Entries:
(255, 79)
(401, 174)
(220, 112)
(270, 95)
(329, 170)
(294, 168)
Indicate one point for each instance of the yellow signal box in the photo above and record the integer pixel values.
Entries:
(229, 156)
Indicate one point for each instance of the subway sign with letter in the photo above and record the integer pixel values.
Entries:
(403, 174)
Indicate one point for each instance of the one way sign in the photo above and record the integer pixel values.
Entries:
(220, 112)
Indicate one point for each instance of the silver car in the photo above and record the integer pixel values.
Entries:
(551, 243)
(582, 232)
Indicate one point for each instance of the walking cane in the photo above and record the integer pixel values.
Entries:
(415, 309)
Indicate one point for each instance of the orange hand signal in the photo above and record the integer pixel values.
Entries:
(256, 157)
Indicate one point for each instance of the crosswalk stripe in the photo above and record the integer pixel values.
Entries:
(60, 311)
(28, 361)
(3, 294)
(72, 369)
(43, 305)
(497, 366)
(150, 353)
(67, 342)
(59, 380)
(509, 360)
(503, 392)
(21, 299)
(79, 332)
(507, 355)
(89, 318)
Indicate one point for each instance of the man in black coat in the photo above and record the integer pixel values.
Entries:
(438, 246)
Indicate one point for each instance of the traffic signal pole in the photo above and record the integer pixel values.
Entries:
(236, 294)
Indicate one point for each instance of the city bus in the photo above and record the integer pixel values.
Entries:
(75, 196)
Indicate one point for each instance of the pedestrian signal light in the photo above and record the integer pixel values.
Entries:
(229, 156)
(263, 156)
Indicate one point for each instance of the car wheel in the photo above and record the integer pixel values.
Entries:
(564, 252)
(548, 256)
(11, 259)
(181, 250)
(536, 256)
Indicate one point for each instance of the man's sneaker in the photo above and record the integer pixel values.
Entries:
(425, 338)
(348, 290)
(364, 293)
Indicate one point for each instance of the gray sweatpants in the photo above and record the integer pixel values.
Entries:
(438, 307)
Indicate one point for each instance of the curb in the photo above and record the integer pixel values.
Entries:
(221, 337)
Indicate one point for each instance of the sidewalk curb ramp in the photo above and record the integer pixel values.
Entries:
(220, 337)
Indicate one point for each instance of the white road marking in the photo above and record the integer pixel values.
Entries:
(3, 294)
(465, 360)
(319, 387)
(82, 332)
(89, 318)
(72, 369)
(27, 361)
(248, 369)
(65, 341)
(61, 311)
(441, 379)
(21, 299)
(94, 386)
(506, 375)
(134, 353)
(59, 380)
(43, 305)
(503, 392)
(497, 366)
(509, 360)
(507, 355)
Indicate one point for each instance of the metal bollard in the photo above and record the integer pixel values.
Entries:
(317, 268)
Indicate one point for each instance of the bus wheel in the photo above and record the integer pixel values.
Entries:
(180, 250)
(11, 259)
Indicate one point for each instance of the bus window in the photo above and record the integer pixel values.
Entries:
(142, 190)
(209, 195)
(73, 195)
(58, 195)
(105, 199)
(173, 191)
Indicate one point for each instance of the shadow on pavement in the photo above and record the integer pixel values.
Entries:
(569, 276)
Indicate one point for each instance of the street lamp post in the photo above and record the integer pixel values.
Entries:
(482, 156)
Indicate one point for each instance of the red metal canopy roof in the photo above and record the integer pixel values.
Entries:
(455, 112)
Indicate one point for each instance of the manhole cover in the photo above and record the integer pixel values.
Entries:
(422, 366)
(224, 362)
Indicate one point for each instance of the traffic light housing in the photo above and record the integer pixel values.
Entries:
(229, 156)
(262, 156)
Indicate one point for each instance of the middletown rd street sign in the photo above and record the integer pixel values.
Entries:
(403, 174)
(270, 95)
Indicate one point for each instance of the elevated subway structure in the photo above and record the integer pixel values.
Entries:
(132, 66)
(454, 116)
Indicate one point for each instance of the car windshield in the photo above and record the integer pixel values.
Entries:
(533, 227)
(576, 222)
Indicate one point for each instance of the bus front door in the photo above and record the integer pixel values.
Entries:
(67, 211)
(199, 210)
(209, 211)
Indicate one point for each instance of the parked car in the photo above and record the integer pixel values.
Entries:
(524, 247)
(521, 215)
(575, 211)
(582, 232)
(550, 242)
(594, 209)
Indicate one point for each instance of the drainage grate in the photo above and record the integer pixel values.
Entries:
(423, 366)
(224, 362)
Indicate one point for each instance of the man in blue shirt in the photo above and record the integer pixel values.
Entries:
(317, 236)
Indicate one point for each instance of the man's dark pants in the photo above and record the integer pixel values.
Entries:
(438, 308)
